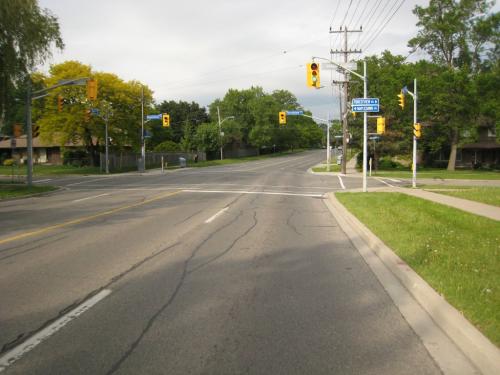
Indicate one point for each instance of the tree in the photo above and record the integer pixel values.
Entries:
(122, 100)
(27, 34)
(455, 32)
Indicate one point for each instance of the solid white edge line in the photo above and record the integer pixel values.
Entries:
(212, 218)
(388, 184)
(341, 182)
(38, 181)
(253, 192)
(92, 197)
(16, 353)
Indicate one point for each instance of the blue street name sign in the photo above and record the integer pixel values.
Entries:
(94, 111)
(294, 113)
(365, 105)
(153, 117)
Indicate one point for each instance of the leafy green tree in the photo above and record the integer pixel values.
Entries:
(455, 33)
(207, 137)
(119, 99)
(184, 118)
(27, 35)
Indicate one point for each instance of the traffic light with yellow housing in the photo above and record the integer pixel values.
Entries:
(282, 118)
(92, 89)
(380, 125)
(313, 75)
(60, 103)
(165, 120)
(401, 97)
(417, 130)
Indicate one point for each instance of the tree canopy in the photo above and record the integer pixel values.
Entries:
(27, 35)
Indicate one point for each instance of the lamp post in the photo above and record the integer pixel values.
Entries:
(220, 130)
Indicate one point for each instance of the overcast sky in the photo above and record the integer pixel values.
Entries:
(197, 50)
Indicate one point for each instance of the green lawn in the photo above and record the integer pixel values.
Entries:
(440, 174)
(333, 168)
(457, 253)
(210, 163)
(49, 170)
(483, 194)
(12, 191)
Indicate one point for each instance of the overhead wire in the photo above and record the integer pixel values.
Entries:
(376, 18)
(367, 45)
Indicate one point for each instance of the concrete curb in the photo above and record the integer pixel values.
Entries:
(478, 350)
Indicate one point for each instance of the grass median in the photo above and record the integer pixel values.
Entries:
(14, 191)
(488, 195)
(440, 174)
(457, 253)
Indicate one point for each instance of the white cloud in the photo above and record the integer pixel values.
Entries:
(197, 50)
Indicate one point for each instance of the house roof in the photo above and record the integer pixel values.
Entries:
(486, 145)
(21, 142)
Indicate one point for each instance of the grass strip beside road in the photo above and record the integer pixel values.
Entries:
(456, 252)
(483, 194)
(14, 191)
(47, 170)
(211, 163)
(439, 174)
(333, 168)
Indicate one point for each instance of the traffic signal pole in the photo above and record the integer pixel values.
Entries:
(33, 95)
(415, 99)
(29, 136)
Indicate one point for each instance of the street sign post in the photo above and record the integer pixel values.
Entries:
(294, 113)
(365, 105)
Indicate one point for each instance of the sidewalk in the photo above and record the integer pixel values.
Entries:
(477, 208)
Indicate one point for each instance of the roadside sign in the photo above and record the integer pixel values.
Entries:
(365, 105)
(294, 113)
(94, 111)
(153, 117)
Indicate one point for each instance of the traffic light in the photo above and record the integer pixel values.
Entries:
(91, 89)
(282, 118)
(60, 102)
(313, 75)
(354, 114)
(18, 130)
(166, 120)
(401, 97)
(380, 125)
(35, 130)
(417, 130)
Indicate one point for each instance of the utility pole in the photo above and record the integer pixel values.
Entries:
(346, 52)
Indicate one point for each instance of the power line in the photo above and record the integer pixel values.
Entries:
(354, 13)
(372, 20)
(384, 25)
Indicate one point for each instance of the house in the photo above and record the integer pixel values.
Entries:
(43, 151)
(483, 153)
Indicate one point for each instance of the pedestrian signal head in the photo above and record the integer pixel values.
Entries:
(380, 125)
(91, 89)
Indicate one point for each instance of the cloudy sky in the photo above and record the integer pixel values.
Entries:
(197, 50)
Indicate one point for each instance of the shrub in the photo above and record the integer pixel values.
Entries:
(8, 162)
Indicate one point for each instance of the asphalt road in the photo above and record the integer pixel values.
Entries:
(239, 269)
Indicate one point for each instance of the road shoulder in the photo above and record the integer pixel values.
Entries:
(454, 343)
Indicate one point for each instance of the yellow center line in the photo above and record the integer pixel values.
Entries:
(85, 218)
